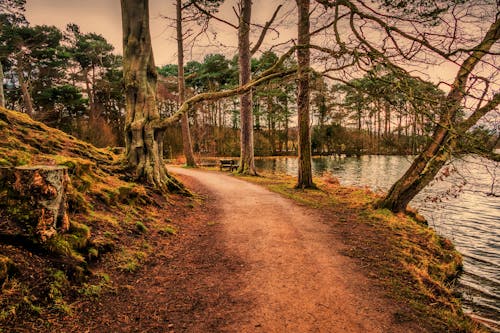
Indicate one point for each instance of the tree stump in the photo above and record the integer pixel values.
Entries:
(33, 201)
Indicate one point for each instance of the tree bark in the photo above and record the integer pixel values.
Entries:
(305, 179)
(445, 136)
(2, 95)
(144, 142)
(28, 103)
(34, 201)
(247, 162)
(186, 134)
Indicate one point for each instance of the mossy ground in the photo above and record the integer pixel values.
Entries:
(400, 253)
(113, 222)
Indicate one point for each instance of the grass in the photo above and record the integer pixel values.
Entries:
(131, 260)
(168, 230)
(95, 290)
(417, 266)
(140, 227)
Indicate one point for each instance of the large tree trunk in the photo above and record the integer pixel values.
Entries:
(445, 137)
(303, 58)
(2, 95)
(247, 163)
(186, 135)
(144, 143)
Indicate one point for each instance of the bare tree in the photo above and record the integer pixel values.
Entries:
(247, 161)
(247, 164)
(305, 179)
(144, 130)
(447, 133)
(186, 134)
(419, 34)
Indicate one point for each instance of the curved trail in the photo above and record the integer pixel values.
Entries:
(293, 277)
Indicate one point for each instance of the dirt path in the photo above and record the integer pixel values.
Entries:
(291, 275)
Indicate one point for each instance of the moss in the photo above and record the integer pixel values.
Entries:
(76, 201)
(60, 245)
(140, 227)
(95, 290)
(92, 253)
(78, 235)
(168, 230)
(56, 291)
(7, 267)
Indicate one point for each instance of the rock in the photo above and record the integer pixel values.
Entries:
(34, 199)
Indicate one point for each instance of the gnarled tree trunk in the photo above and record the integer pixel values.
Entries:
(186, 135)
(144, 142)
(303, 58)
(247, 162)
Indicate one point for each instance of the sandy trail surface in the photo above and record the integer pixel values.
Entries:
(292, 275)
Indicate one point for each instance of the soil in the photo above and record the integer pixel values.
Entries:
(245, 260)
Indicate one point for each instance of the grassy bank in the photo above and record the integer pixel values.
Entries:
(114, 224)
(398, 252)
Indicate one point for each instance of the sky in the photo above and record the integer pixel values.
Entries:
(104, 17)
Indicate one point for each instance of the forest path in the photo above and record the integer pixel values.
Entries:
(291, 275)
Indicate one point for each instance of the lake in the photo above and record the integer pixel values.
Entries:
(464, 207)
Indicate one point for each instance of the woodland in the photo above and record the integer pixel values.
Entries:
(358, 78)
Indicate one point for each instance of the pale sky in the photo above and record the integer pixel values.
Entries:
(104, 17)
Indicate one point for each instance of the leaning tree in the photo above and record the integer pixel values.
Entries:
(405, 36)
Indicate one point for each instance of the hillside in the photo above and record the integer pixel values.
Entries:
(111, 222)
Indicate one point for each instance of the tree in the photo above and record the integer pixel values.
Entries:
(247, 163)
(144, 141)
(93, 54)
(186, 134)
(36, 57)
(423, 32)
(305, 179)
(11, 13)
(446, 135)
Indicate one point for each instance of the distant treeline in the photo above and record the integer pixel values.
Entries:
(73, 81)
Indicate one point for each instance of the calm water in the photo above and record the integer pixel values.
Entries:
(464, 207)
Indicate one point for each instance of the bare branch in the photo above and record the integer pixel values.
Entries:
(479, 113)
(207, 13)
(264, 31)
(268, 75)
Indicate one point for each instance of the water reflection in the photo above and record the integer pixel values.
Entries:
(463, 207)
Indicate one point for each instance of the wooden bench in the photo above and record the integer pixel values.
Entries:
(231, 165)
